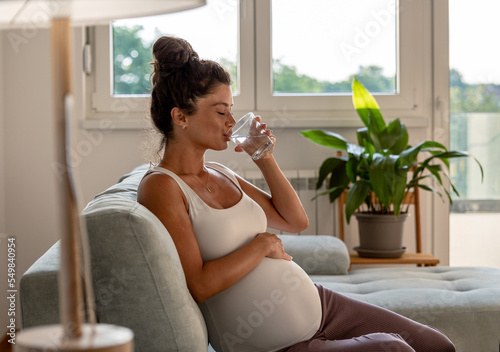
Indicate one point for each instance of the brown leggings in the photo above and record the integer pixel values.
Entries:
(349, 325)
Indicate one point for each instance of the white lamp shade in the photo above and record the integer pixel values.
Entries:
(19, 13)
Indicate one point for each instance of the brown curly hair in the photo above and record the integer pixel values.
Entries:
(180, 79)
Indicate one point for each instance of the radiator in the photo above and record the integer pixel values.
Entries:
(321, 213)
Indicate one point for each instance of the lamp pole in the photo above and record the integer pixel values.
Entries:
(72, 335)
(70, 283)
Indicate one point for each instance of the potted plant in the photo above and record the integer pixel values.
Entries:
(380, 170)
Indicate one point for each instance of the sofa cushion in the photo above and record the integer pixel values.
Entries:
(318, 255)
(457, 301)
(126, 186)
(138, 279)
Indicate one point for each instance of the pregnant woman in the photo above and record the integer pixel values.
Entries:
(252, 295)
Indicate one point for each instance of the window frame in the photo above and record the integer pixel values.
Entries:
(255, 77)
(410, 83)
(99, 85)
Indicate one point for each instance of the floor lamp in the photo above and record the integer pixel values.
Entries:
(73, 334)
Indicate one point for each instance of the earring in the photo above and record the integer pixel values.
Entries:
(184, 127)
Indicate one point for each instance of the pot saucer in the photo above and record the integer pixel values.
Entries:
(370, 253)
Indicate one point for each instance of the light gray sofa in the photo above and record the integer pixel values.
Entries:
(139, 283)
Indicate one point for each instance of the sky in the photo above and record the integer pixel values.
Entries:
(474, 40)
(366, 39)
(215, 41)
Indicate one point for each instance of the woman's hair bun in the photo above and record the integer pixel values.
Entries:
(179, 80)
(172, 53)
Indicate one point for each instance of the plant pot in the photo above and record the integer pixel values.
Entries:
(380, 236)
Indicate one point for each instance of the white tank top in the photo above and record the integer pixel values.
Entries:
(276, 305)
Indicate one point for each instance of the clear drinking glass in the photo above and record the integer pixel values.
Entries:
(249, 135)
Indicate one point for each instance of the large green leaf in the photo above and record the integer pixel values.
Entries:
(432, 145)
(436, 171)
(382, 176)
(336, 168)
(370, 149)
(409, 156)
(352, 169)
(363, 136)
(402, 143)
(326, 138)
(330, 191)
(454, 154)
(338, 179)
(399, 189)
(439, 155)
(367, 108)
(394, 138)
(430, 189)
(413, 183)
(374, 137)
(329, 166)
(391, 135)
(355, 197)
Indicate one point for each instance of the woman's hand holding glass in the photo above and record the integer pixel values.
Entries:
(253, 137)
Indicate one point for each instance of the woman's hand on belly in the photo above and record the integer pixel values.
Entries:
(274, 245)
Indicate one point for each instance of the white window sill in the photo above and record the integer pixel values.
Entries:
(274, 121)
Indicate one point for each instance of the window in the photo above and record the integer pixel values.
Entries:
(475, 106)
(120, 85)
(407, 54)
(297, 56)
(133, 40)
(363, 45)
(475, 127)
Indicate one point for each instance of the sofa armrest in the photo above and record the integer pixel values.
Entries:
(318, 255)
(39, 290)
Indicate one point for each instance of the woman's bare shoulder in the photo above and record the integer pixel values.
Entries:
(156, 188)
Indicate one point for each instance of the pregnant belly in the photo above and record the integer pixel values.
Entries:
(274, 306)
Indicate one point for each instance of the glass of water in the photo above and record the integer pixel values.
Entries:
(251, 137)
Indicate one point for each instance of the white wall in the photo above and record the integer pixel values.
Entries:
(2, 141)
(29, 193)
(3, 235)
(31, 211)
(29, 141)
